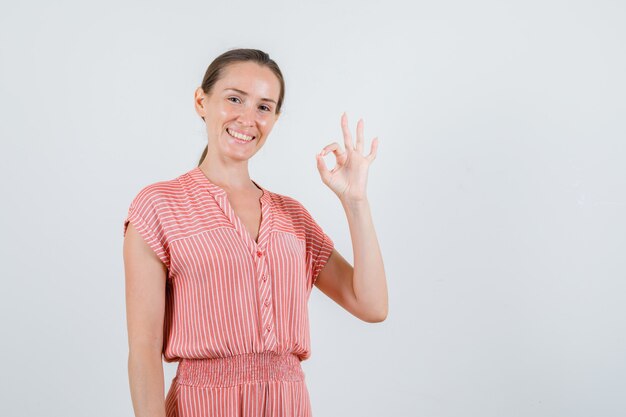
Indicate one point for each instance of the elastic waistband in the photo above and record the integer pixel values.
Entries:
(239, 369)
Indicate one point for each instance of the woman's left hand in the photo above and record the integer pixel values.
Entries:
(348, 179)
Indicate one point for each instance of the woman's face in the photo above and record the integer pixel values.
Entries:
(242, 102)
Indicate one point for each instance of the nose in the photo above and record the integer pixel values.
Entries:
(246, 116)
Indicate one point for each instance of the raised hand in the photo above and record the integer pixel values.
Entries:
(348, 179)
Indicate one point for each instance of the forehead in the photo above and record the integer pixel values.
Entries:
(251, 78)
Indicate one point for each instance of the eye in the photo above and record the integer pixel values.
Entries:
(236, 98)
(267, 107)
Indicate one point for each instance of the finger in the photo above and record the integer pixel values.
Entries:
(373, 150)
(340, 154)
(359, 136)
(331, 147)
(347, 138)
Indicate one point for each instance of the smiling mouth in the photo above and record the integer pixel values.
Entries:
(240, 137)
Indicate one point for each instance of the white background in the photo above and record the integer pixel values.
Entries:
(498, 194)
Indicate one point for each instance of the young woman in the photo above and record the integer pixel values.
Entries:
(219, 269)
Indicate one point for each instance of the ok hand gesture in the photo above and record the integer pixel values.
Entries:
(348, 179)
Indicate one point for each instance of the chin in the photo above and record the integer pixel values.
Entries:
(241, 155)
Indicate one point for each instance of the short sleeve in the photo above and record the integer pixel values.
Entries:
(144, 213)
(319, 247)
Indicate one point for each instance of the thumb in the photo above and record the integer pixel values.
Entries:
(322, 168)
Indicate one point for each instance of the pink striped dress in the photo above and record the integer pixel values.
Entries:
(236, 317)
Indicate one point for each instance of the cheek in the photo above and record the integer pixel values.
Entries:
(223, 112)
(265, 123)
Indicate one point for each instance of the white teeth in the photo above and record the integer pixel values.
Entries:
(239, 135)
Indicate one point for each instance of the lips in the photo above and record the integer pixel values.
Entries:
(233, 132)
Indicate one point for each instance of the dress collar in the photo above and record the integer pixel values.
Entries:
(221, 197)
(198, 175)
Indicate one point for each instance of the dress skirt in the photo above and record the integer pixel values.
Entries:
(247, 385)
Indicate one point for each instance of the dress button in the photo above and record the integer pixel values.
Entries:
(264, 277)
(267, 302)
(268, 328)
(259, 253)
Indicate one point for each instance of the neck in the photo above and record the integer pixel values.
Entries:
(229, 176)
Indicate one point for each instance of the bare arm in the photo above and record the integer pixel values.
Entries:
(362, 289)
(145, 307)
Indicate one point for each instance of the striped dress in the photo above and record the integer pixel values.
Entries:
(236, 317)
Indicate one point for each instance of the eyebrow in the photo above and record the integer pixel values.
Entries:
(245, 94)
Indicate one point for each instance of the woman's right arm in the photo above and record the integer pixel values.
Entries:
(145, 307)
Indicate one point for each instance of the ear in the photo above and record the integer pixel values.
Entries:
(199, 99)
